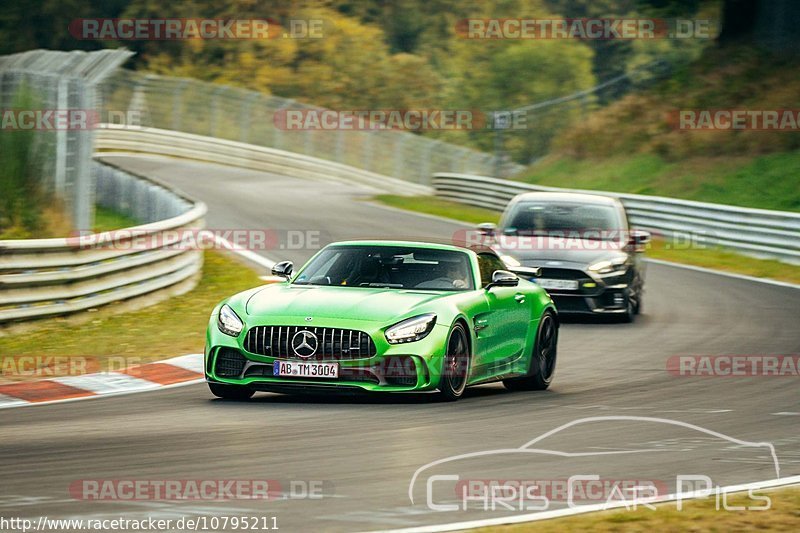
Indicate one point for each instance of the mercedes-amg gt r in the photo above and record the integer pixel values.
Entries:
(384, 316)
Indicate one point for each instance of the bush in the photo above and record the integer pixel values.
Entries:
(22, 196)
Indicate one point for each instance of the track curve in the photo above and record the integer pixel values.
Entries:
(367, 449)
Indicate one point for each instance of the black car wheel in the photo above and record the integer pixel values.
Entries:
(230, 392)
(455, 368)
(543, 360)
(630, 311)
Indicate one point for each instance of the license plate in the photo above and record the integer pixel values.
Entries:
(561, 284)
(305, 370)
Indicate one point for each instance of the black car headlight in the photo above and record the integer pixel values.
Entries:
(229, 322)
(615, 267)
(411, 329)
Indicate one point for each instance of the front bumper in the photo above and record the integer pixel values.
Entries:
(413, 366)
(594, 296)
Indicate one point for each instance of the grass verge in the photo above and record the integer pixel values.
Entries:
(763, 182)
(167, 329)
(715, 258)
(698, 515)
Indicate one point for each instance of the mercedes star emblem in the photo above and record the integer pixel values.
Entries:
(304, 344)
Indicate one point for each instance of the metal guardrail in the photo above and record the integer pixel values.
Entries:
(209, 149)
(755, 232)
(46, 277)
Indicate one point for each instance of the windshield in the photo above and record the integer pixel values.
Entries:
(389, 267)
(564, 219)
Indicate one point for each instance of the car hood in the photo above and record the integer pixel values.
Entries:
(355, 303)
(538, 251)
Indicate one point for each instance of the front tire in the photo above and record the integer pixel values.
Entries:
(230, 392)
(543, 360)
(455, 367)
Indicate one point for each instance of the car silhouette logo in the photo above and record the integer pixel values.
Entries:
(304, 344)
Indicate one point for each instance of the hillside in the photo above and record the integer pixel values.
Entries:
(633, 145)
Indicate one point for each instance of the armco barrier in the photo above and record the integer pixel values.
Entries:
(47, 277)
(755, 232)
(212, 150)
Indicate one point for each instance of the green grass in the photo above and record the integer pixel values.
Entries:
(436, 206)
(699, 515)
(55, 223)
(174, 327)
(108, 220)
(715, 258)
(766, 182)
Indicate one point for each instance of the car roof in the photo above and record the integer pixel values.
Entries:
(577, 197)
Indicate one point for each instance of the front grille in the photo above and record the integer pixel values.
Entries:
(564, 273)
(229, 363)
(345, 374)
(333, 344)
(571, 304)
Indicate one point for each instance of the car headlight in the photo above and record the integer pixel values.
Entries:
(510, 261)
(412, 329)
(615, 267)
(229, 322)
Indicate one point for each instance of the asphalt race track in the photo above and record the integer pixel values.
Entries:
(365, 450)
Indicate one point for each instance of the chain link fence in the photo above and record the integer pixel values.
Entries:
(45, 84)
(236, 114)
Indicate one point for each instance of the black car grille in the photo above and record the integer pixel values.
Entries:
(571, 304)
(563, 273)
(229, 363)
(333, 344)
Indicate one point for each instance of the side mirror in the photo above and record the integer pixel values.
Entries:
(510, 231)
(638, 238)
(283, 269)
(503, 278)
(533, 272)
(487, 228)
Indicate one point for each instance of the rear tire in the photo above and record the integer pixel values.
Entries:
(230, 392)
(543, 360)
(455, 366)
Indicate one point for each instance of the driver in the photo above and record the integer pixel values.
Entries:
(453, 277)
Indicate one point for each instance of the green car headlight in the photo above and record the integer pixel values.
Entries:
(411, 329)
(229, 322)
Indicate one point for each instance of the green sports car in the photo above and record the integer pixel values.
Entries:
(384, 316)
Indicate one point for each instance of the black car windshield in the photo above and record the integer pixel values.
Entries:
(564, 219)
(392, 267)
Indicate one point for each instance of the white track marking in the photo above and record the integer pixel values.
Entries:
(192, 362)
(107, 383)
(247, 254)
(723, 273)
(8, 401)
